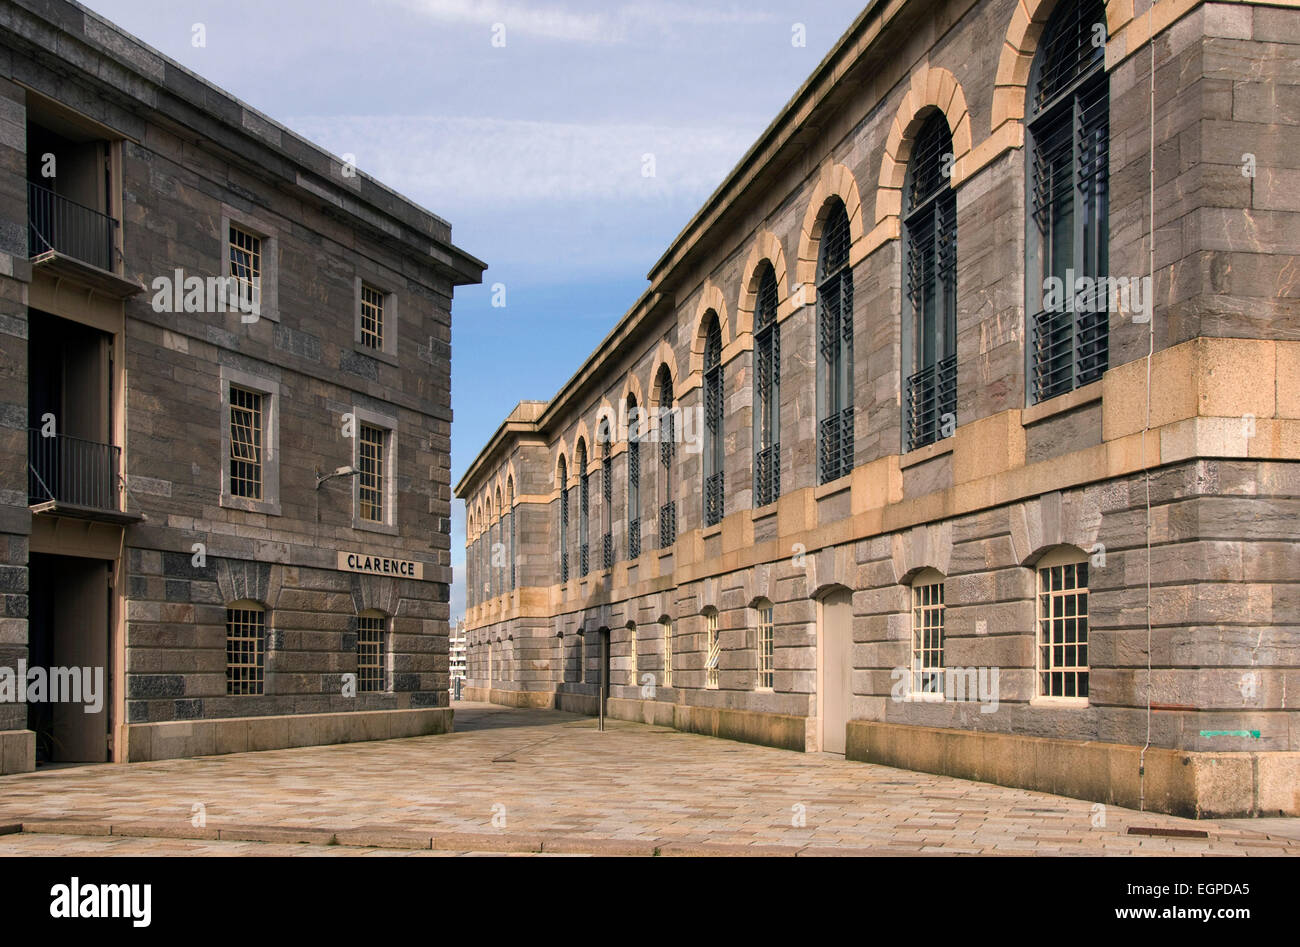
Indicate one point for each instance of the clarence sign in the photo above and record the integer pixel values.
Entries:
(371, 564)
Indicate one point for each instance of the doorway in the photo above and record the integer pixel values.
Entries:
(69, 636)
(835, 663)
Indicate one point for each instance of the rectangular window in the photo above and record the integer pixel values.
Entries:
(1063, 630)
(927, 638)
(714, 653)
(246, 262)
(668, 653)
(631, 657)
(372, 317)
(246, 432)
(245, 631)
(766, 649)
(370, 653)
(371, 444)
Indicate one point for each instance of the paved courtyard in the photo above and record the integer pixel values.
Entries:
(531, 781)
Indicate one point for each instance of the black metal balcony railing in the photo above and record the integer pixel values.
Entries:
(835, 446)
(931, 403)
(667, 524)
(607, 551)
(633, 538)
(71, 470)
(56, 223)
(713, 496)
(1071, 349)
(767, 475)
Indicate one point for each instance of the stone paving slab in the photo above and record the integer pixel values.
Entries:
(569, 789)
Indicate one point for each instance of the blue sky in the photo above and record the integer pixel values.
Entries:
(533, 150)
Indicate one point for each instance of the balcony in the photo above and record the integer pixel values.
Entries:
(69, 476)
(74, 241)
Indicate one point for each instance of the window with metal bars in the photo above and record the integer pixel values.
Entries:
(370, 652)
(245, 653)
(667, 453)
(834, 347)
(246, 430)
(767, 391)
(510, 505)
(606, 504)
(1068, 126)
(713, 649)
(372, 317)
(633, 480)
(584, 501)
(927, 636)
(371, 456)
(766, 647)
(564, 521)
(930, 296)
(1063, 628)
(246, 263)
(713, 423)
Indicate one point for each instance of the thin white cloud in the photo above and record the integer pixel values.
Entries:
(463, 162)
(611, 25)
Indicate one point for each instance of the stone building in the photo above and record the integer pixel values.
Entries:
(933, 459)
(225, 418)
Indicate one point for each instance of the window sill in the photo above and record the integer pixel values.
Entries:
(387, 529)
(711, 531)
(928, 452)
(378, 355)
(1059, 703)
(1060, 404)
(267, 507)
(833, 487)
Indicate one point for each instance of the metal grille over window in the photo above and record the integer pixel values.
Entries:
(246, 413)
(607, 505)
(667, 451)
(370, 653)
(1063, 630)
(370, 483)
(564, 533)
(1069, 135)
(584, 501)
(713, 653)
(510, 506)
(766, 649)
(767, 392)
(245, 632)
(246, 264)
(633, 488)
(930, 228)
(372, 317)
(714, 458)
(835, 347)
(927, 638)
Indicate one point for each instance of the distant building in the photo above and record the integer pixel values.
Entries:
(224, 385)
(865, 470)
(457, 651)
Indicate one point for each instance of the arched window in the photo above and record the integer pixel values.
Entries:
(606, 496)
(1067, 232)
(631, 654)
(563, 474)
(767, 391)
(1063, 624)
(498, 549)
(930, 287)
(713, 433)
(372, 628)
(633, 478)
(766, 645)
(712, 647)
(834, 347)
(510, 511)
(927, 633)
(584, 507)
(667, 432)
(245, 649)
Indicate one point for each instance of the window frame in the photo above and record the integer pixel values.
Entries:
(381, 653)
(1064, 558)
(767, 398)
(666, 633)
(269, 389)
(388, 424)
(250, 607)
(713, 492)
(836, 412)
(387, 351)
(712, 648)
(765, 647)
(922, 596)
(232, 217)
